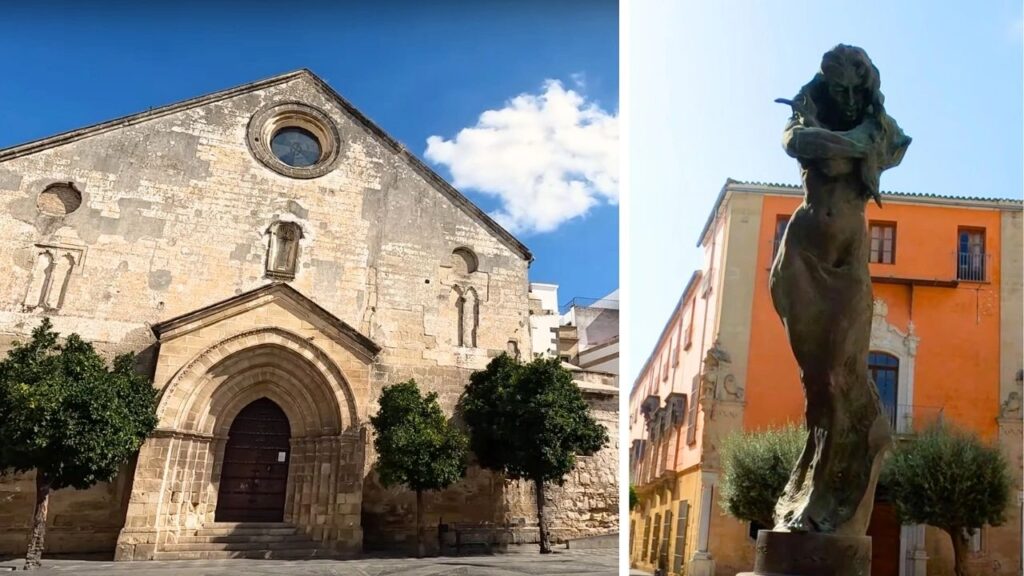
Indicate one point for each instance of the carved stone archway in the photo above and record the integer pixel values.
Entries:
(297, 364)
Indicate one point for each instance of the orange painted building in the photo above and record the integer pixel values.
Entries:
(946, 344)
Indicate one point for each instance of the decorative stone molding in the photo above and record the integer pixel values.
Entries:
(283, 250)
(193, 371)
(1011, 407)
(903, 345)
(717, 380)
(51, 275)
(270, 120)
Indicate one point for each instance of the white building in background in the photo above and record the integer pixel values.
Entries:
(544, 319)
(585, 333)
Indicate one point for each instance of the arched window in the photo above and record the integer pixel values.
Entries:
(50, 278)
(40, 278)
(283, 249)
(470, 317)
(464, 261)
(885, 371)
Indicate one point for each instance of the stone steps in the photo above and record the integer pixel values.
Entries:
(228, 538)
(302, 554)
(224, 540)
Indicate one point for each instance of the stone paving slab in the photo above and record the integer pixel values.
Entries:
(517, 563)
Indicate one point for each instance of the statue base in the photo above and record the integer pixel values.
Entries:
(810, 554)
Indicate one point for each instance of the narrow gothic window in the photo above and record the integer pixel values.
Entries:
(40, 278)
(470, 317)
(283, 249)
(59, 281)
(50, 278)
(460, 311)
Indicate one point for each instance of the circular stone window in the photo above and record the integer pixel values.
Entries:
(296, 147)
(294, 139)
(59, 199)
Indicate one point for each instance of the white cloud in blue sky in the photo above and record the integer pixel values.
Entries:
(547, 157)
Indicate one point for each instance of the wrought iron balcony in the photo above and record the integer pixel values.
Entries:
(911, 419)
(972, 266)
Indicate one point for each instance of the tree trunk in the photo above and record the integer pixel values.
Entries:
(545, 542)
(419, 524)
(35, 545)
(959, 551)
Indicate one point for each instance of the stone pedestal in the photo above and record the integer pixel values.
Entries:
(810, 554)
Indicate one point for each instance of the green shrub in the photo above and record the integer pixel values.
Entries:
(756, 467)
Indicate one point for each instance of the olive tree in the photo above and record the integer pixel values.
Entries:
(950, 479)
(66, 415)
(756, 467)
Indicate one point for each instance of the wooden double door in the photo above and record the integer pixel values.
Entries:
(254, 472)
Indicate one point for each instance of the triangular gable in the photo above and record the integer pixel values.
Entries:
(390, 143)
(208, 315)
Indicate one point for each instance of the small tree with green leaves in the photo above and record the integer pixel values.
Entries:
(633, 498)
(416, 445)
(69, 417)
(530, 422)
(756, 467)
(949, 479)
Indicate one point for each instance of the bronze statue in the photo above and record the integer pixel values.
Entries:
(821, 289)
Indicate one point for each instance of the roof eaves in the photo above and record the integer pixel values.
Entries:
(153, 113)
(690, 285)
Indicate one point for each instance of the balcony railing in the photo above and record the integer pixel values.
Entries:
(579, 302)
(911, 419)
(972, 266)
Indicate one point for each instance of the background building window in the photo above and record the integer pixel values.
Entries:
(970, 257)
(781, 222)
(883, 243)
(885, 370)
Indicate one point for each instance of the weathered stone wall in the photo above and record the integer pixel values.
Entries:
(587, 504)
(174, 215)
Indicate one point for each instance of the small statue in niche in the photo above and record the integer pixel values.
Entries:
(283, 249)
(1011, 406)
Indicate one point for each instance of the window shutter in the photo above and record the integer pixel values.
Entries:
(666, 533)
(681, 521)
(656, 539)
(691, 417)
(647, 538)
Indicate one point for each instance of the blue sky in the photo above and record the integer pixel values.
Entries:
(419, 69)
(703, 76)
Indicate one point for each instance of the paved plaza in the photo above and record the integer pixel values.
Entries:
(521, 561)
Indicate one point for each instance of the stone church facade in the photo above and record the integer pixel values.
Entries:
(275, 259)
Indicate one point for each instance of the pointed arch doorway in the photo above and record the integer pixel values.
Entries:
(254, 475)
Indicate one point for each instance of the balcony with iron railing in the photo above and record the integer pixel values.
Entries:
(972, 266)
(908, 419)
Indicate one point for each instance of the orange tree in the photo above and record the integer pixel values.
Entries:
(416, 445)
(530, 422)
(66, 415)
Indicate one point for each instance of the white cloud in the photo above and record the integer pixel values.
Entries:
(548, 157)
